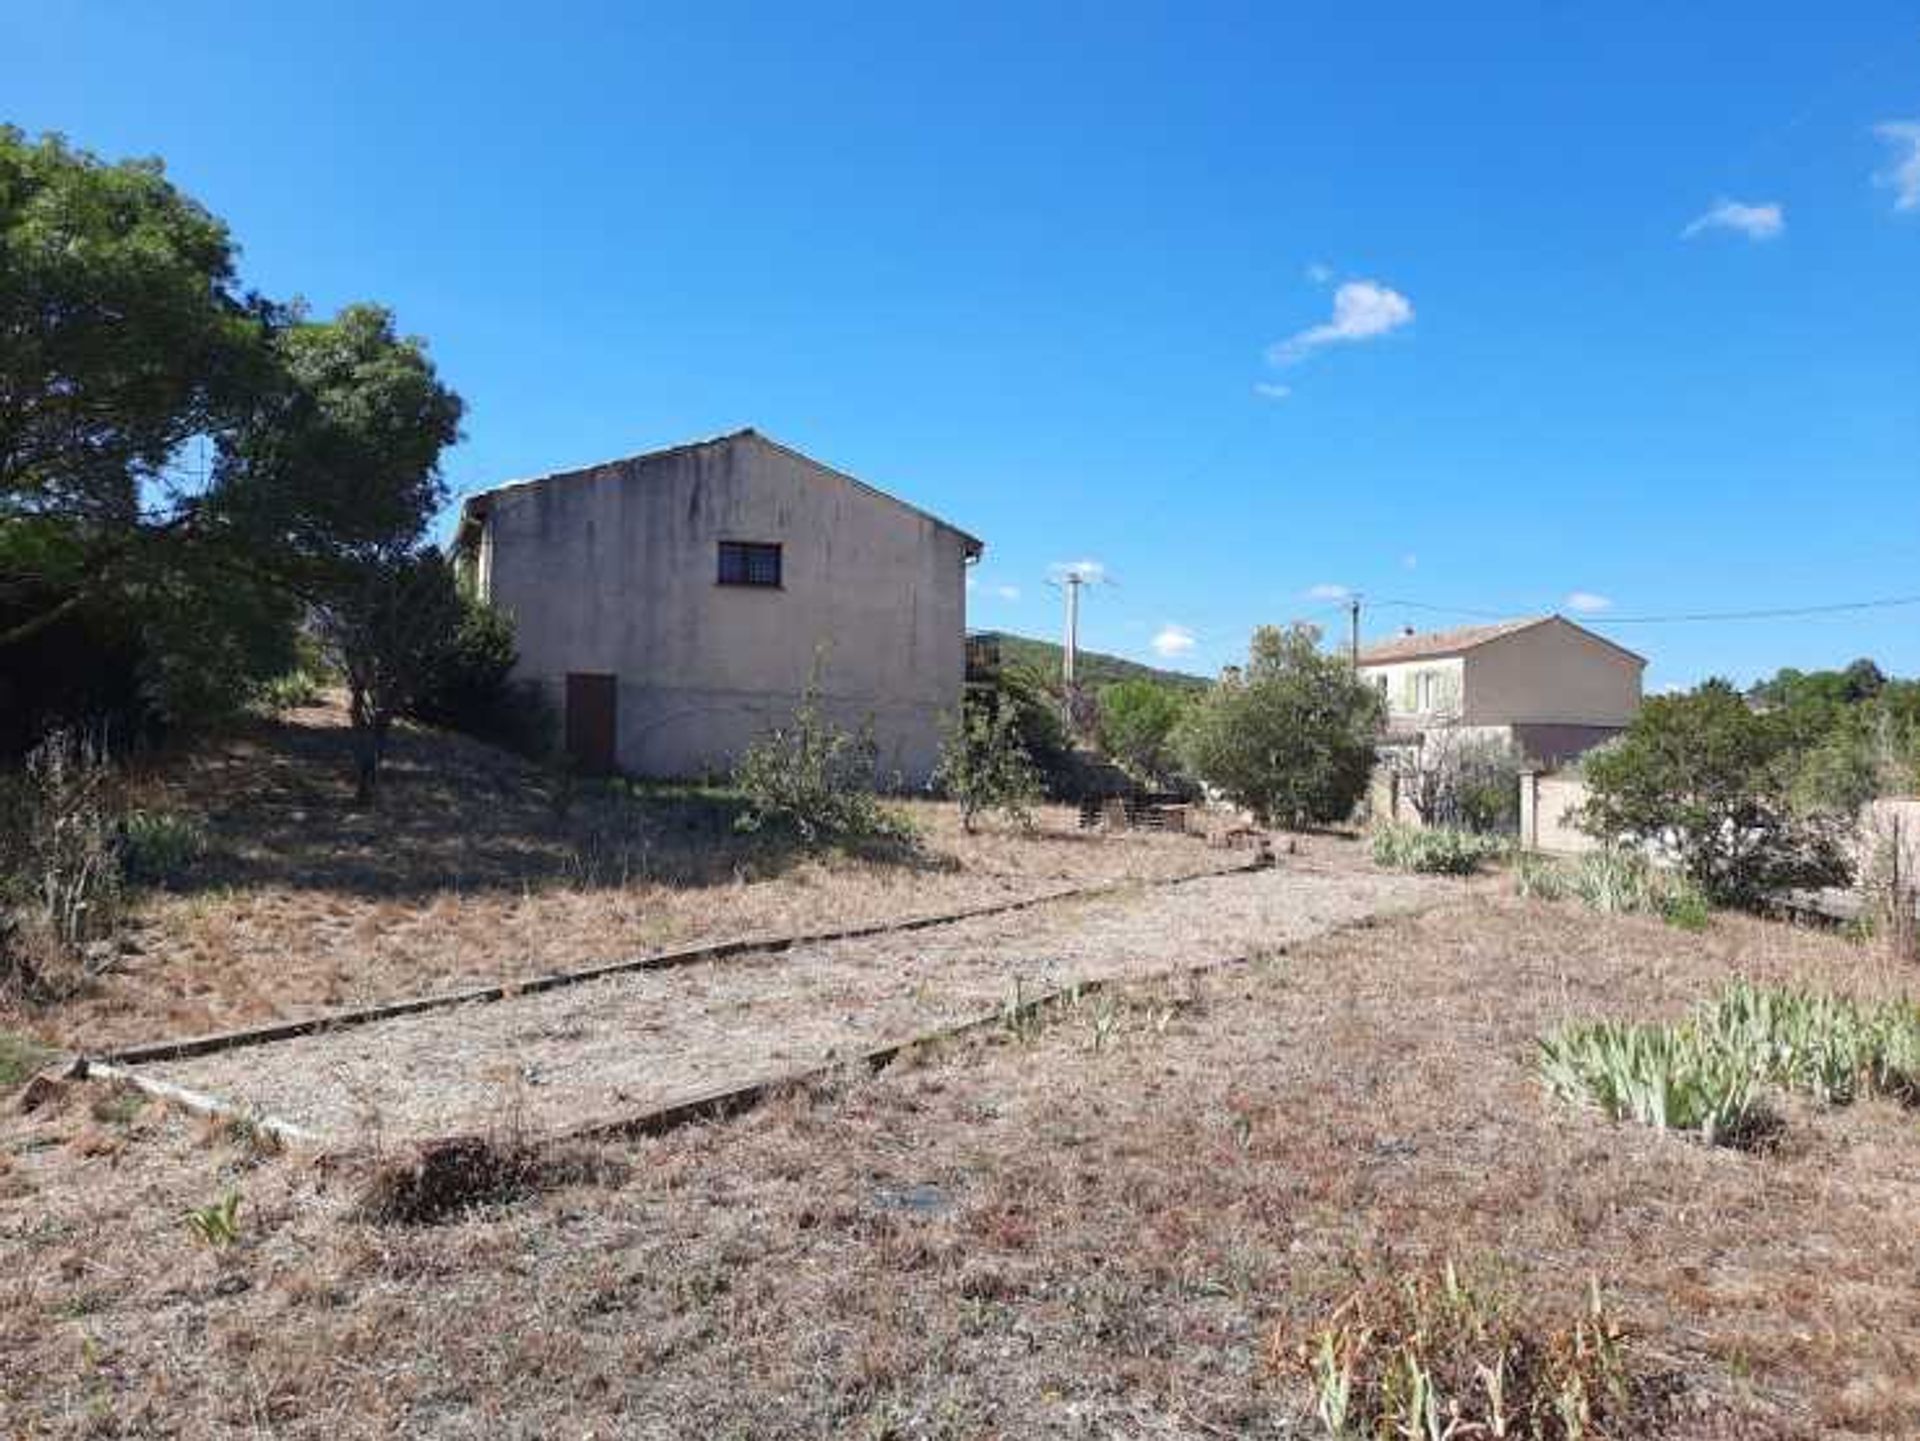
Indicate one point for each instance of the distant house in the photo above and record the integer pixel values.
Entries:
(1554, 688)
(674, 604)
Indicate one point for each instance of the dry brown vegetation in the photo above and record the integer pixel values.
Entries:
(1103, 1226)
(476, 867)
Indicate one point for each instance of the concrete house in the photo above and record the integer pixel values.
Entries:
(1552, 687)
(673, 605)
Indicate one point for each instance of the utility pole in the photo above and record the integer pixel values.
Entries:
(1071, 653)
(1353, 630)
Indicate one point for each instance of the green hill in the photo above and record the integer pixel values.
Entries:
(1096, 670)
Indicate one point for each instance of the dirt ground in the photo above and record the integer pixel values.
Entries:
(617, 1046)
(1091, 1230)
(475, 867)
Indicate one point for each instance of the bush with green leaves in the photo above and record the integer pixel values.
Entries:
(1613, 882)
(819, 781)
(1433, 850)
(984, 767)
(1704, 778)
(1707, 1075)
(1291, 737)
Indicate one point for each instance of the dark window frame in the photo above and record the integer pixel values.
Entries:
(753, 564)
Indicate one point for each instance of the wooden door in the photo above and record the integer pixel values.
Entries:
(590, 722)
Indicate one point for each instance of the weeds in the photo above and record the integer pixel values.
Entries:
(1706, 1075)
(1614, 882)
(218, 1225)
(1429, 1357)
(20, 1060)
(157, 847)
(1433, 850)
(444, 1180)
(59, 864)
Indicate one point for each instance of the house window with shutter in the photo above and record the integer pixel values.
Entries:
(750, 562)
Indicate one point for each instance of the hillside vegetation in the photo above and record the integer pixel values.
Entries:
(1096, 670)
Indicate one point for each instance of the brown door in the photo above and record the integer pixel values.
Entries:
(590, 716)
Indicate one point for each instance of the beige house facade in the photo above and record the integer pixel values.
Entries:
(1554, 688)
(673, 605)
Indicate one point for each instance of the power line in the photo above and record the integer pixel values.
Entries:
(1679, 617)
(1771, 613)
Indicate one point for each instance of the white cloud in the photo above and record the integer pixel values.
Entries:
(1756, 222)
(1588, 603)
(1173, 640)
(1409, 561)
(1319, 274)
(1271, 390)
(1007, 592)
(972, 580)
(1327, 590)
(1091, 571)
(1902, 177)
(1362, 310)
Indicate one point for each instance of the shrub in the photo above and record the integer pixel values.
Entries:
(1705, 1074)
(1423, 1353)
(1614, 882)
(817, 780)
(156, 847)
(1701, 776)
(1291, 738)
(466, 686)
(61, 874)
(1438, 851)
(984, 767)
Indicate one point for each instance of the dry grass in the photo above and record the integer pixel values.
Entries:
(1093, 1229)
(475, 867)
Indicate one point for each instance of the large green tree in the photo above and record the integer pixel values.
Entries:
(123, 337)
(1137, 723)
(1291, 737)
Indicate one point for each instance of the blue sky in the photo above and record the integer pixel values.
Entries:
(1618, 301)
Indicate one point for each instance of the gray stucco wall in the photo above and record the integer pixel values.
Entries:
(614, 570)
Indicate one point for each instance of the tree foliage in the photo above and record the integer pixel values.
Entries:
(1705, 777)
(1138, 719)
(1291, 737)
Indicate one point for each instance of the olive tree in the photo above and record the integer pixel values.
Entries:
(1290, 737)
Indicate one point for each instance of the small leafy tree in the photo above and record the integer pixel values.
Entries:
(818, 780)
(385, 625)
(1137, 722)
(1706, 778)
(1460, 779)
(984, 766)
(1291, 737)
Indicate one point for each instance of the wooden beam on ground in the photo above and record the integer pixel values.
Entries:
(199, 1102)
(185, 1048)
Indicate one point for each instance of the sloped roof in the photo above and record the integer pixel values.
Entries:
(474, 506)
(1432, 644)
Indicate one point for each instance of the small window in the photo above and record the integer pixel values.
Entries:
(749, 562)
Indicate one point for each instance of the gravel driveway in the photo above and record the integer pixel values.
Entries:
(629, 1043)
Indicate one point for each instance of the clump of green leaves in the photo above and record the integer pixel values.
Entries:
(1614, 882)
(1433, 850)
(1707, 1074)
(217, 1224)
(819, 781)
(984, 766)
(1427, 1355)
(1138, 719)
